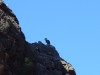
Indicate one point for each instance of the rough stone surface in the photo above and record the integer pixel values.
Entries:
(18, 57)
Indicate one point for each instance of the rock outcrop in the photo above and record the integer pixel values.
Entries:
(18, 57)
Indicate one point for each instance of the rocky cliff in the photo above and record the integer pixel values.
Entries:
(18, 57)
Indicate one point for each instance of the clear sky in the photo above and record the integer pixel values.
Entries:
(72, 26)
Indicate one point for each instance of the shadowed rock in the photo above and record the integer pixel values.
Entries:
(18, 57)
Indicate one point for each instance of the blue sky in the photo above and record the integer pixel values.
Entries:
(72, 26)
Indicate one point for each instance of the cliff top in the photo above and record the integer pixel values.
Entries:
(19, 57)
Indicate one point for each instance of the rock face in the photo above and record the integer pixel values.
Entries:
(18, 57)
